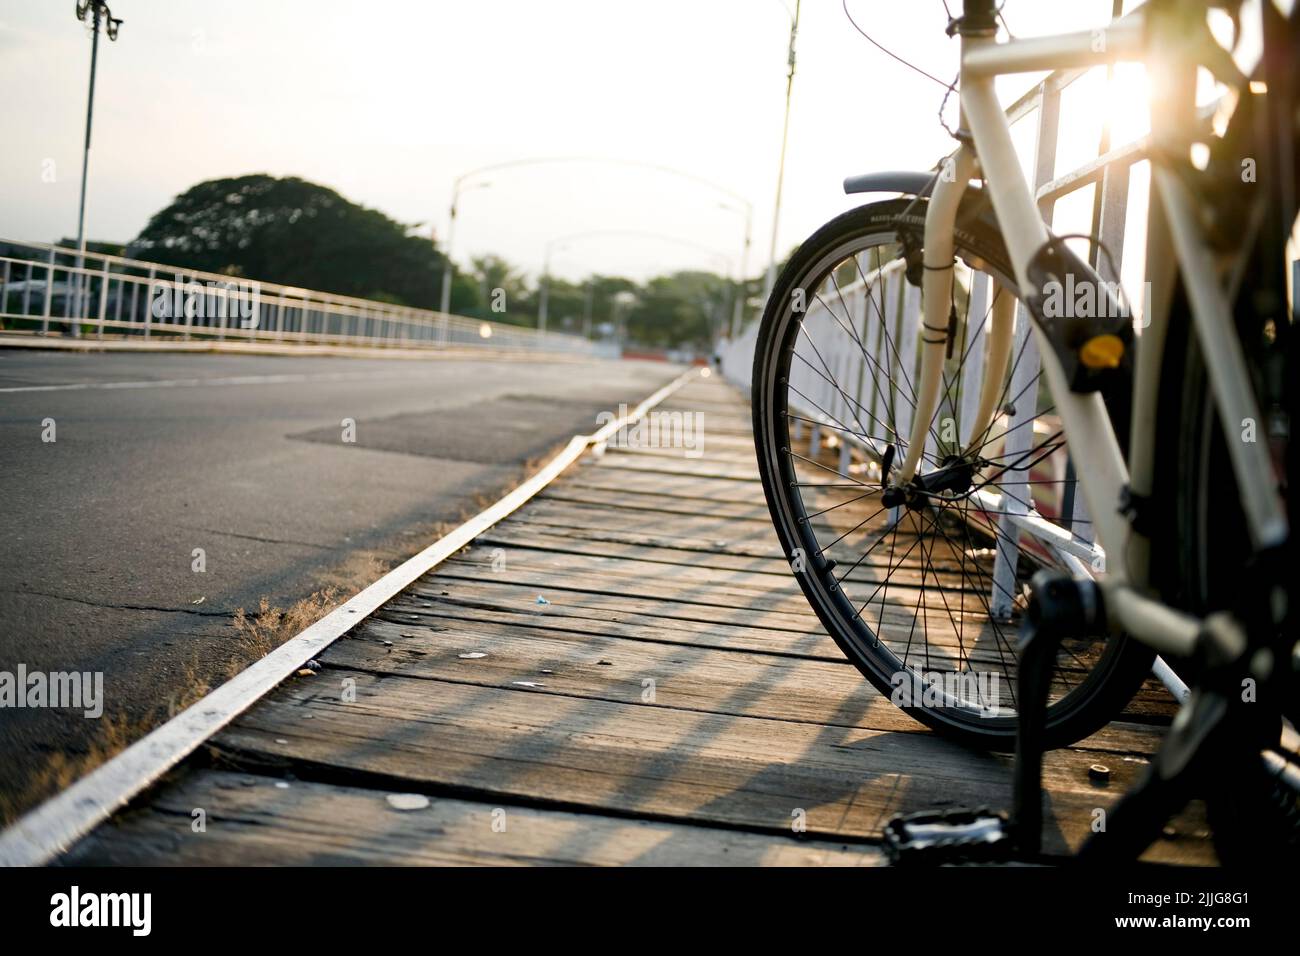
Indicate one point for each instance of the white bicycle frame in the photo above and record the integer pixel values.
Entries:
(1102, 472)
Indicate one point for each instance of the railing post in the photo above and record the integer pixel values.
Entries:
(909, 328)
(257, 308)
(213, 306)
(817, 389)
(148, 303)
(117, 306)
(880, 302)
(103, 298)
(49, 295)
(27, 288)
(1019, 439)
(842, 404)
(72, 304)
(853, 420)
(4, 289)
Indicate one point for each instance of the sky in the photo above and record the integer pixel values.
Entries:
(389, 101)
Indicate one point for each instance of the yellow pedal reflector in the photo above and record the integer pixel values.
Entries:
(1102, 351)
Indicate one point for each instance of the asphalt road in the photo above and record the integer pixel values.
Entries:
(247, 458)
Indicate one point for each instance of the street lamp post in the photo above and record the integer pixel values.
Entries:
(619, 305)
(738, 307)
(448, 268)
(544, 293)
(586, 307)
(98, 12)
(785, 136)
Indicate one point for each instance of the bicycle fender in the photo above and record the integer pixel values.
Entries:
(974, 204)
(892, 181)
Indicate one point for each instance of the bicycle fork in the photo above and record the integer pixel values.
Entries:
(938, 265)
(936, 298)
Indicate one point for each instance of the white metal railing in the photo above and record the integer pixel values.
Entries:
(43, 291)
(851, 356)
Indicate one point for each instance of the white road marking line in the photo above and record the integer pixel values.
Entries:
(199, 382)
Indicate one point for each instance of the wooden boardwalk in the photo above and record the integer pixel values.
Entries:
(624, 672)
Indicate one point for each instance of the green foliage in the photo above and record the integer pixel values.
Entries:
(513, 304)
(682, 309)
(296, 233)
(102, 248)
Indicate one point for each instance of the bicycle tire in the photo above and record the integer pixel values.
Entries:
(1123, 664)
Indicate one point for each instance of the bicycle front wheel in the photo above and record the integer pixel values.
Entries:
(924, 597)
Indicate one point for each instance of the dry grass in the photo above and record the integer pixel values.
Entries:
(61, 770)
(261, 633)
(256, 635)
(358, 572)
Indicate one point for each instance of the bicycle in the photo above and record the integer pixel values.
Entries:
(937, 499)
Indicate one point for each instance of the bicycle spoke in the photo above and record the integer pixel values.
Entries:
(835, 385)
(833, 471)
(926, 604)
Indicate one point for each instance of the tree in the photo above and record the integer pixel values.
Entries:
(603, 291)
(503, 295)
(298, 233)
(682, 309)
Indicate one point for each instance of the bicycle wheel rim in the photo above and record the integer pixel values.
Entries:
(833, 603)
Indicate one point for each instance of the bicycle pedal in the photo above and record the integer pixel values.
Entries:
(958, 835)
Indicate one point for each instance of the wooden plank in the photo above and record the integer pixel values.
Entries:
(637, 620)
(665, 485)
(607, 667)
(718, 533)
(738, 591)
(729, 443)
(795, 617)
(656, 538)
(699, 519)
(939, 634)
(734, 447)
(648, 506)
(928, 627)
(689, 467)
(641, 483)
(602, 667)
(740, 771)
(756, 538)
(616, 570)
(930, 650)
(256, 820)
